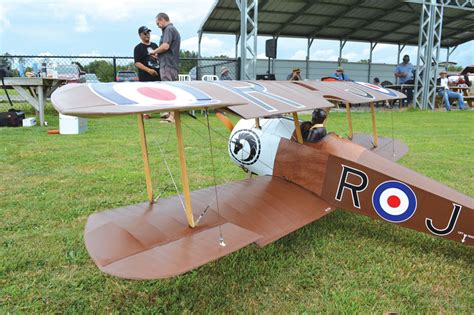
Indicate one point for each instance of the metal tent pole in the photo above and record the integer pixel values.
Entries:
(372, 46)
(248, 38)
(308, 48)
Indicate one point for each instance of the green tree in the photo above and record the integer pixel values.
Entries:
(103, 69)
(455, 68)
(187, 60)
(6, 60)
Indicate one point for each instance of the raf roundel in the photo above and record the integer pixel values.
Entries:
(394, 201)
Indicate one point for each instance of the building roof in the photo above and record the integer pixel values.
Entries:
(388, 21)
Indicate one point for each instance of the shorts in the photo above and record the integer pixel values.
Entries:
(168, 74)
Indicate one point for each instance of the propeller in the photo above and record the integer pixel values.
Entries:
(225, 120)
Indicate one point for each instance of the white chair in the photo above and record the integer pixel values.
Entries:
(210, 77)
(184, 77)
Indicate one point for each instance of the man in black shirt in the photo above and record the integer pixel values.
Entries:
(147, 63)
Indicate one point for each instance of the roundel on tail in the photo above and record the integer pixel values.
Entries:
(394, 201)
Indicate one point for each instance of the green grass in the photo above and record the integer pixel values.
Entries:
(343, 263)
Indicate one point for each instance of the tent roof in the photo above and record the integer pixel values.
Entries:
(388, 21)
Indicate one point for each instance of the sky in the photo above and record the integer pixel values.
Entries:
(109, 28)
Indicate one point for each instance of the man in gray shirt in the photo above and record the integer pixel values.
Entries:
(168, 53)
(168, 49)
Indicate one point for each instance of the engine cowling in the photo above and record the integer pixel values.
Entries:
(254, 149)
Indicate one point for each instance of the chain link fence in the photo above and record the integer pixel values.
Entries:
(106, 68)
(103, 69)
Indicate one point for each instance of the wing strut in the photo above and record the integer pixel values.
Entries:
(184, 173)
(349, 120)
(374, 127)
(299, 136)
(146, 162)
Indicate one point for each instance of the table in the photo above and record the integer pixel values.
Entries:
(459, 89)
(34, 91)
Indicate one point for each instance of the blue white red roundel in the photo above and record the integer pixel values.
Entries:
(377, 88)
(394, 201)
(151, 93)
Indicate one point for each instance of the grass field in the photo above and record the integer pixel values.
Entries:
(343, 263)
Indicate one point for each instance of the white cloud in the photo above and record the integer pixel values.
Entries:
(325, 54)
(299, 55)
(81, 24)
(92, 53)
(210, 46)
(4, 22)
(180, 11)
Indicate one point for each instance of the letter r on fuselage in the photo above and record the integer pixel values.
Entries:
(355, 188)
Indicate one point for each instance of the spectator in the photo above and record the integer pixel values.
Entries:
(168, 52)
(376, 82)
(466, 79)
(447, 94)
(295, 75)
(225, 74)
(146, 63)
(340, 75)
(404, 73)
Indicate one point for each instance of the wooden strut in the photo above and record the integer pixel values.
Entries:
(299, 136)
(146, 162)
(184, 174)
(257, 123)
(349, 120)
(374, 127)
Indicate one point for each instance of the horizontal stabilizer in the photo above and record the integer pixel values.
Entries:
(391, 149)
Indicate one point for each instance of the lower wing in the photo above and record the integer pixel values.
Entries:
(150, 241)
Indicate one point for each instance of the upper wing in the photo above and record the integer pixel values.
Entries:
(352, 92)
(258, 98)
(255, 98)
(149, 241)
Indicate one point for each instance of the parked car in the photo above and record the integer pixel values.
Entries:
(89, 78)
(126, 76)
(70, 73)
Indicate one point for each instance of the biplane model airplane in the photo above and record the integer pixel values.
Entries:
(304, 174)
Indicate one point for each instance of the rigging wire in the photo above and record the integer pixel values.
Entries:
(163, 155)
(221, 238)
(393, 138)
(227, 138)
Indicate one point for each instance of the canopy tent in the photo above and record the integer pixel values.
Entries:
(429, 24)
(389, 21)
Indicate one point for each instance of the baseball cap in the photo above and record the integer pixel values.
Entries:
(339, 69)
(443, 71)
(296, 69)
(143, 29)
